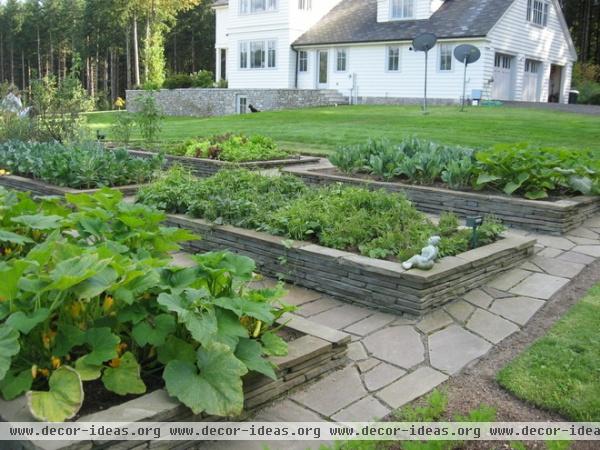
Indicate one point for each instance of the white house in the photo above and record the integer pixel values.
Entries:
(362, 48)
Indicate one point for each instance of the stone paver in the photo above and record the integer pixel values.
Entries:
(318, 306)
(479, 298)
(460, 310)
(531, 267)
(364, 410)
(509, 279)
(590, 250)
(370, 324)
(576, 257)
(411, 386)
(333, 392)
(341, 317)
(381, 376)
(550, 252)
(539, 285)
(368, 364)
(556, 242)
(434, 321)
(584, 233)
(453, 348)
(559, 268)
(401, 346)
(490, 326)
(356, 351)
(517, 309)
(299, 296)
(286, 411)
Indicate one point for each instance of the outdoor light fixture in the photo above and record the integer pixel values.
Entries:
(474, 222)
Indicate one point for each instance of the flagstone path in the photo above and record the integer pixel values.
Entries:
(395, 360)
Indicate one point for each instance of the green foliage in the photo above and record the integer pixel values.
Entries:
(232, 148)
(413, 160)
(123, 127)
(149, 118)
(377, 224)
(154, 58)
(84, 165)
(201, 79)
(586, 79)
(92, 295)
(537, 173)
(559, 372)
(58, 107)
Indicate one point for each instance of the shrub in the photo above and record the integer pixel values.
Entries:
(378, 224)
(79, 166)
(201, 79)
(229, 147)
(109, 308)
(149, 118)
(123, 127)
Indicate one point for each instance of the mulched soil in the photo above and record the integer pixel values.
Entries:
(477, 385)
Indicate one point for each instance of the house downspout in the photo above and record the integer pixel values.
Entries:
(296, 71)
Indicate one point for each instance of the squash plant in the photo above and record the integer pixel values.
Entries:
(75, 308)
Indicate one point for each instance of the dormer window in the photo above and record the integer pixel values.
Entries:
(402, 9)
(537, 12)
(305, 5)
(257, 6)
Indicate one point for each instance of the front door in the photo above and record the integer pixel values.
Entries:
(531, 80)
(555, 84)
(503, 77)
(323, 72)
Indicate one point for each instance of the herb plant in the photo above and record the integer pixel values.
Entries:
(79, 166)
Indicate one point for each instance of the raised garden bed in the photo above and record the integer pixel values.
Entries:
(350, 277)
(548, 216)
(40, 188)
(205, 167)
(317, 351)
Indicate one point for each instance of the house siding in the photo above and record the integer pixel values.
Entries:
(514, 35)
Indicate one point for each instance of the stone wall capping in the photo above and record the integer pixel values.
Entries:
(549, 217)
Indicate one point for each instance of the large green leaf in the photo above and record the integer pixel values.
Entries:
(87, 371)
(13, 238)
(25, 323)
(229, 329)
(68, 337)
(238, 266)
(213, 385)
(10, 276)
(73, 271)
(64, 399)
(244, 307)
(97, 284)
(124, 379)
(485, 178)
(103, 343)
(202, 325)
(154, 331)
(9, 347)
(39, 221)
(175, 348)
(13, 385)
(581, 184)
(250, 352)
(273, 344)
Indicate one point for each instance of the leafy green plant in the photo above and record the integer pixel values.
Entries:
(123, 127)
(378, 224)
(149, 117)
(106, 305)
(536, 173)
(84, 165)
(229, 147)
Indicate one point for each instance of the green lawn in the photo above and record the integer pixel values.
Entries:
(561, 371)
(319, 130)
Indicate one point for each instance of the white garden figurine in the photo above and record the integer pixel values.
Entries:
(427, 258)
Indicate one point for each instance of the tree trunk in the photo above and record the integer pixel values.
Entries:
(106, 74)
(193, 53)
(51, 68)
(12, 62)
(128, 56)
(146, 52)
(1, 57)
(23, 80)
(113, 76)
(136, 51)
(175, 52)
(39, 53)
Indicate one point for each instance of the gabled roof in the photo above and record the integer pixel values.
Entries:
(355, 21)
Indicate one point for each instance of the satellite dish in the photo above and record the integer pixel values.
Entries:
(423, 43)
(466, 54)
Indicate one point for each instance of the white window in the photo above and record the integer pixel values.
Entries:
(402, 9)
(445, 57)
(532, 66)
(342, 60)
(537, 12)
(242, 104)
(393, 59)
(503, 61)
(258, 54)
(305, 5)
(257, 6)
(303, 61)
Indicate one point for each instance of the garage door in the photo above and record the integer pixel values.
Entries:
(503, 79)
(531, 81)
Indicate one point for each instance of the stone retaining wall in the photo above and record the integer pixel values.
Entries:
(353, 278)
(203, 167)
(37, 187)
(320, 350)
(221, 102)
(552, 217)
